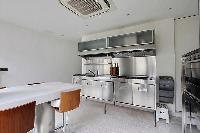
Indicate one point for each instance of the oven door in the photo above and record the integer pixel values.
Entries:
(195, 70)
(191, 114)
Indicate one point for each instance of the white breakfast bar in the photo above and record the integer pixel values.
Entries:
(41, 93)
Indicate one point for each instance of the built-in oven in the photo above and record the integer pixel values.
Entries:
(191, 92)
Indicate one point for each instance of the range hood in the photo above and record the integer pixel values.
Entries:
(149, 48)
(88, 8)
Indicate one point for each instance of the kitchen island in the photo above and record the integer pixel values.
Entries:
(41, 93)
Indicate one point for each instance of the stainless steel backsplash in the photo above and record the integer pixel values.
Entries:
(127, 66)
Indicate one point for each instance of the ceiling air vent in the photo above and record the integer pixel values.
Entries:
(88, 8)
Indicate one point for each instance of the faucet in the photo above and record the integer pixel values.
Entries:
(97, 72)
(92, 72)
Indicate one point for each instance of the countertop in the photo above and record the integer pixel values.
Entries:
(41, 93)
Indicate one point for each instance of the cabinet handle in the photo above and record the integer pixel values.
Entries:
(137, 83)
(123, 82)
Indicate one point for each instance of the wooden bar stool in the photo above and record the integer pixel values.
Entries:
(68, 101)
(18, 120)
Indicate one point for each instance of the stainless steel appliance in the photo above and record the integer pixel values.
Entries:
(191, 93)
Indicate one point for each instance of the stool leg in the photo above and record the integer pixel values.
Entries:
(105, 109)
(64, 122)
(157, 115)
(155, 122)
(167, 119)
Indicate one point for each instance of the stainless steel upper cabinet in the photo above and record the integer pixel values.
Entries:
(142, 37)
(122, 40)
(92, 45)
(145, 37)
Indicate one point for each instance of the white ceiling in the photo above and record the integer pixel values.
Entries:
(50, 17)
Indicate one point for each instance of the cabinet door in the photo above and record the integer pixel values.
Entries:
(92, 45)
(107, 90)
(97, 89)
(144, 95)
(84, 85)
(145, 37)
(122, 40)
(124, 93)
(88, 87)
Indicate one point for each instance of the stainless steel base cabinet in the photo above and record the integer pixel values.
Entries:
(124, 93)
(144, 95)
(87, 88)
(108, 91)
(97, 89)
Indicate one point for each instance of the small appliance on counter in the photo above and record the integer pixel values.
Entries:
(191, 93)
(3, 69)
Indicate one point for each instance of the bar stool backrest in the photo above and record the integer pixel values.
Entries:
(69, 100)
(18, 120)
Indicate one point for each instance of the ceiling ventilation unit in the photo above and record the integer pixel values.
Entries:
(88, 8)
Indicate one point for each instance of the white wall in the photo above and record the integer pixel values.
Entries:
(186, 40)
(35, 57)
(164, 35)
